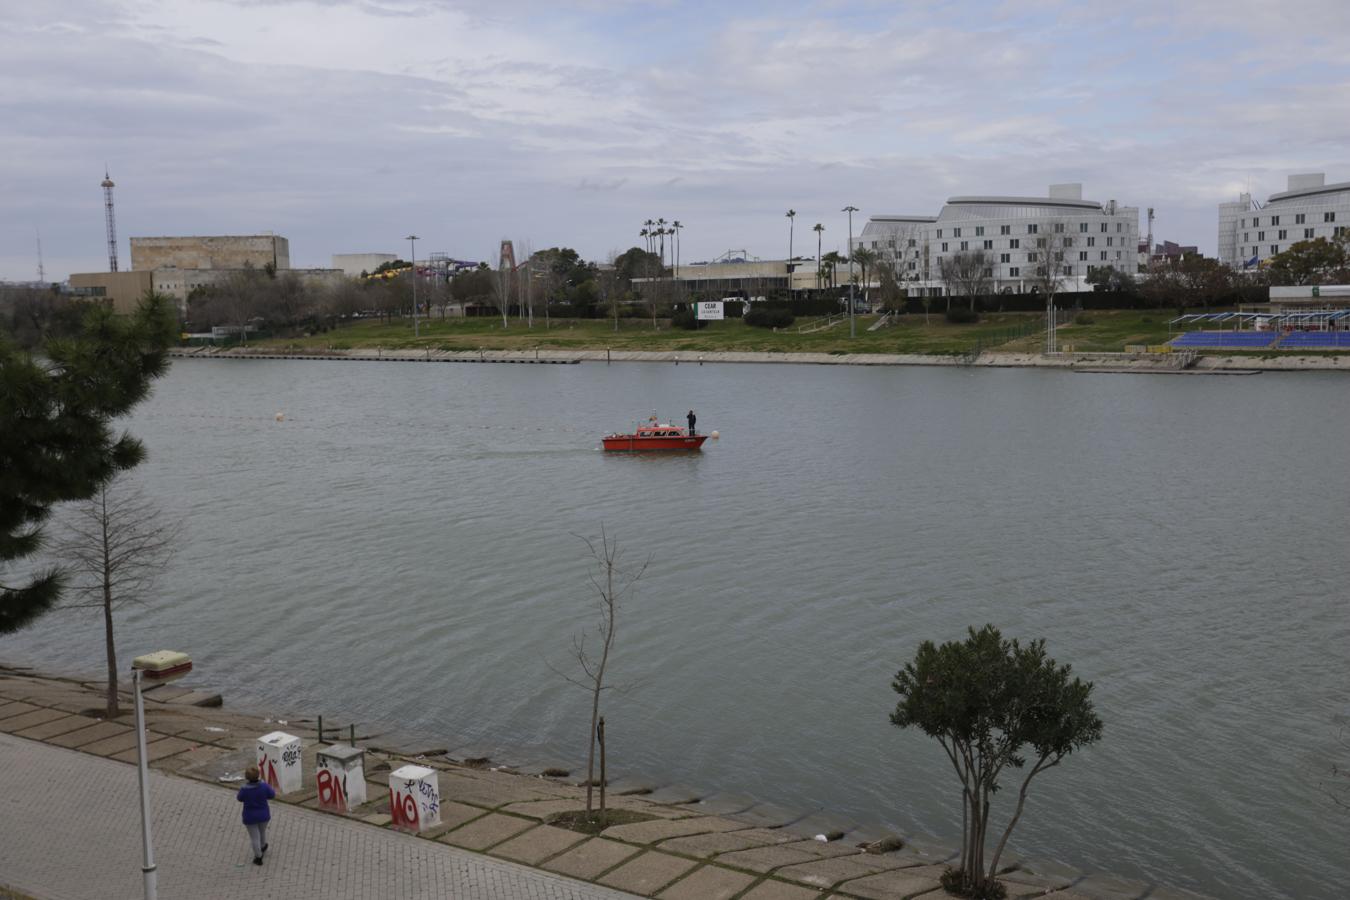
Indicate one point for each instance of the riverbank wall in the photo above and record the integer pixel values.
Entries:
(1141, 363)
(679, 842)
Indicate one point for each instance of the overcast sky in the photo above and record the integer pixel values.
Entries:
(344, 125)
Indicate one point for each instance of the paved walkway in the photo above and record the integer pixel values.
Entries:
(70, 830)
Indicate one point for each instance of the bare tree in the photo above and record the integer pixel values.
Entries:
(116, 543)
(1046, 255)
(612, 583)
(969, 273)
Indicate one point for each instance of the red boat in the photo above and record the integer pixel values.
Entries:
(655, 435)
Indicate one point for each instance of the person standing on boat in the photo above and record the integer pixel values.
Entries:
(692, 419)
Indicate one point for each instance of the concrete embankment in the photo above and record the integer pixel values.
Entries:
(1126, 363)
(677, 843)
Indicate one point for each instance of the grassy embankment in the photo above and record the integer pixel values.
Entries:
(1109, 331)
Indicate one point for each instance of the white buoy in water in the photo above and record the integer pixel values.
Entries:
(714, 435)
(281, 417)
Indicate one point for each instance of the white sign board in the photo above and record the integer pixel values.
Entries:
(710, 310)
(340, 777)
(279, 761)
(414, 798)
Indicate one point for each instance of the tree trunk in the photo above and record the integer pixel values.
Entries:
(109, 644)
(600, 735)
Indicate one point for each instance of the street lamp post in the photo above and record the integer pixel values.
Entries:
(852, 328)
(792, 220)
(160, 667)
(148, 872)
(412, 251)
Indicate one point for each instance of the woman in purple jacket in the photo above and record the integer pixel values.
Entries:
(254, 796)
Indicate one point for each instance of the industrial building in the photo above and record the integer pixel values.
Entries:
(1309, 208)
(211, 252)
(1023, 240)
(355, 264)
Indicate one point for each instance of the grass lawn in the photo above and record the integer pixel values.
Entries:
(910, 335)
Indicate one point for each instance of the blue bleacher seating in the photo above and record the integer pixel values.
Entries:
(1316, 340)
(1241, 340)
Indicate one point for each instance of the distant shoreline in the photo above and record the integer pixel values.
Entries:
(1125, 363)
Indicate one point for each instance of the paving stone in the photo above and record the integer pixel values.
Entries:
(491, 792)
(453, 815)
(721, 804)
(15, 707)
(648, 873)
(96, 731)
(769, 815)
(588, 860)
(898, 885)
(767, 859)
(829, 872)
(483, 833)
(777, 890)
(190, 762)
(710, 845)
(708, 883)
(543, 809)
(1044, 884)
(660, 829)
(155, 751)
(164, 692)
(29, 719)
(378, 819)
(116, 744)
(55, 728)
(675, 793)
(538, 844)
(1109, 887)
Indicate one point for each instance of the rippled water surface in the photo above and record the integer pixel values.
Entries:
(403, 547)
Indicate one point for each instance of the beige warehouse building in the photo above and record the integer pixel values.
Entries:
(211, 252)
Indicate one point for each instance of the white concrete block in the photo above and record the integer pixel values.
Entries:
(279, 761)
(341, 778)
(414, 798)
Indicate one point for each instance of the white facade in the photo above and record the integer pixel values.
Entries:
(1229, 216)
(1309, 209)
(1023, 239)
(353, 264)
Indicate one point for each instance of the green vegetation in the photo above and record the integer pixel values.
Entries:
(58, 432)
(994, 705)
(1109, 330)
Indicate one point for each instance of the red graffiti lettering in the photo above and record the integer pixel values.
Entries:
(332, 790)
(403, 809)
(269, 773)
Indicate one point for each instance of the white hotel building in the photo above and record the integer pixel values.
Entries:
(1019, 237)
(1249, 234)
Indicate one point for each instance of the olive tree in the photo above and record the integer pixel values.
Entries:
(994, 705)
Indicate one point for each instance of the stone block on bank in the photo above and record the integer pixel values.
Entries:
(898, 885)
(588, 860)
(538, 844)
(488, 831)
(278, 761)
(339, 777)
(415, 798)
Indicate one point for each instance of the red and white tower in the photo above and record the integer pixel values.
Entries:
(112, 225)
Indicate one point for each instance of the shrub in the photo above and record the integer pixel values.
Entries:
(962, 316)
(769, 318)
(1084, 319)
(685, 319)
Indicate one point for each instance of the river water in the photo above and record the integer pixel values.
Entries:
(404, 547)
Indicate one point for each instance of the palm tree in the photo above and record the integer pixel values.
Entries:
(661, 232)
(818, 229)
(792, 220)
(648, 225)
(865, 258)
(675, 230)
(832, 262)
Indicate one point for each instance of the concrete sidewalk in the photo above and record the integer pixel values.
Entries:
(70, 830)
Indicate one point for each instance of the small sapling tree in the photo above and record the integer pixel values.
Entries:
(612, 583)
(993, 705)
(116, 543)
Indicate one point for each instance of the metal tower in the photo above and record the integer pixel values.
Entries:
(42, 271)
(112, 225)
